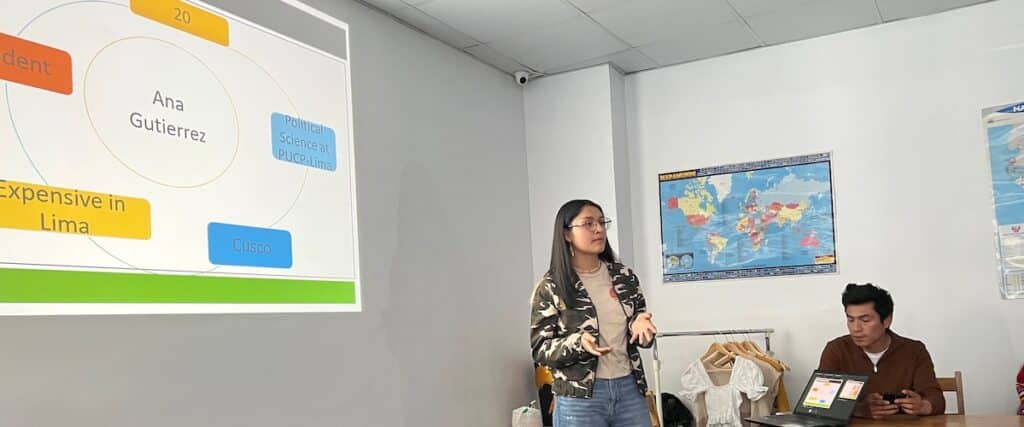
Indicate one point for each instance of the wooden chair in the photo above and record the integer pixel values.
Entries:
(652, 407)
(954, 384)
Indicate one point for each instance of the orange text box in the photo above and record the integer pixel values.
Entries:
(185, 17)
(34, 64)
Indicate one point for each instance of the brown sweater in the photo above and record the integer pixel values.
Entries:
(905, 365)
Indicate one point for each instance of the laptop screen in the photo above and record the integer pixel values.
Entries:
(831, 395)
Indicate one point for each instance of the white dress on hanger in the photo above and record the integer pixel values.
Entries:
(723, 401)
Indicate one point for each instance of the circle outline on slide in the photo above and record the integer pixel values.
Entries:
(28, 157)
(88, 114)
(7, 95)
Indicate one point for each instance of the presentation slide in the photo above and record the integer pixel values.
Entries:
(823, 392)
(161, 156)
(851, 390)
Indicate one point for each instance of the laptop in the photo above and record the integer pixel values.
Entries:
(827, 400)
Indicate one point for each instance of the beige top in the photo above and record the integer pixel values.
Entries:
(611, 319)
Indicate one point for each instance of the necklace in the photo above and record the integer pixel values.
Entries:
(595, 270)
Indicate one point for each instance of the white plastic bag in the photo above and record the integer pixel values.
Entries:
(527, 416)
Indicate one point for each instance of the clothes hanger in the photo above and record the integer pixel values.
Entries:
(737, 349)
(743, 349)
(712, 353)
(726, 357)
(752, 351)
(779, 365)
(752, 347)
(715, 349)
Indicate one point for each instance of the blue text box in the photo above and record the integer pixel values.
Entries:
(303, 142)
(249, 246)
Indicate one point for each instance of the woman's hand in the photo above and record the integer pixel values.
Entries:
(642, 330)
(590, 345)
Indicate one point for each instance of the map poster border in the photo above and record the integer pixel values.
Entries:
(1008, 235)
(823, 265)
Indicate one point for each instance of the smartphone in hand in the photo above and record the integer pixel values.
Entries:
(891, 397)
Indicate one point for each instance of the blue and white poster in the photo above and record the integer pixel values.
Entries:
(1004, 129)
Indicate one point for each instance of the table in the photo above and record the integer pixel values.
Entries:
(944, 420)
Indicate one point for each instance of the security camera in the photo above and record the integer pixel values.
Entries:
(522, 77)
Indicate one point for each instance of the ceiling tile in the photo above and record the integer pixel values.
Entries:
(490, 56)
(632, 60)
(629, 61)
(565, 43)
(641, 22)
(899, 9)
(761, 7)
(813, 19)
(592, 5)
(434, 27)
(388, 5)
(488, 21)
(701, 42)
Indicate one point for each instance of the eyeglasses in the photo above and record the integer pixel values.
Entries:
(592, 225)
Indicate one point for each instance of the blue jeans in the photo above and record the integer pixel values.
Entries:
(615, 403)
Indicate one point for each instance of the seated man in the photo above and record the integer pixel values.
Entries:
(902, 377)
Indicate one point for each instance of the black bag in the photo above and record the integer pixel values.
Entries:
(674, 412)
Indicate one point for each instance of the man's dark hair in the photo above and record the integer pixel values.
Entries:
(859, 294)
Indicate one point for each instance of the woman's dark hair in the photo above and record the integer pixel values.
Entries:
(561, 270)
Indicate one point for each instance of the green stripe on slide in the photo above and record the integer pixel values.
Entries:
(56, 286)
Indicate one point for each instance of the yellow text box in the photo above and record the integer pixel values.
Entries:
(676, 175)
(185, 17)
(825, 259)
(36, 207)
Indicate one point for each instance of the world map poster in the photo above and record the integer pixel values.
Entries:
(756, 219)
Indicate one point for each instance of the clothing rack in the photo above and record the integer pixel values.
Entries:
(657, 361)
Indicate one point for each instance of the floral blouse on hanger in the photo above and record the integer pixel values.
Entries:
(723, 401)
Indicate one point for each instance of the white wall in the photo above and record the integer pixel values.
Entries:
(620, 161)
(899, 106)
(576, 149)
(442, 339)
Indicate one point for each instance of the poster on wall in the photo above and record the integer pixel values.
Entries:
(162, 156)
(1004, 130)
(755, 219)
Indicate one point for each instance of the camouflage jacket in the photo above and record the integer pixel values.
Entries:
(557, 326)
